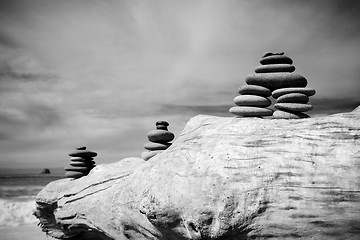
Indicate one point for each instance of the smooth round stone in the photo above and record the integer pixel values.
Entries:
(278, 114)
(81, 159)
(74, 174)
(80, 148)
(83, 153)
(162, 127)
(254, 90)
(160, 136)
(149, 154)
(271, 54)
(76, 169)
(293, 98)
(165, 123)
(156, 146)
(276, 59)
(295, 107)
(252, 101)
(274, 81)
(250, 111)
(274, 68)
(82, 164)
(282, 91)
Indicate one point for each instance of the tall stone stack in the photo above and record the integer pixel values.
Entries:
(289, 89)
(81, 163)
(159, 140)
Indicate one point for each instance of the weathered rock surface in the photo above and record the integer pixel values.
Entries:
(223, 178)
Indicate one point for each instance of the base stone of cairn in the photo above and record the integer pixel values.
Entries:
(81, 163)
(159, 140)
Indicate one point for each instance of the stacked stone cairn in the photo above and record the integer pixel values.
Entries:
(81, 163)
(159, 140)
(275, 76)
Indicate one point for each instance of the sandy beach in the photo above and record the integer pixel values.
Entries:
(28, 232)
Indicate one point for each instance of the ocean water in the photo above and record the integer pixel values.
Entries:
(18, 188)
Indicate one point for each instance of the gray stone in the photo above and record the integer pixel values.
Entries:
(152, 146)
(76, 169)
(279, 92)
(83, 153)
(293, 98)
(275, 81)
(160, 136)
(266, 54)
(276, 59)
(274, 68)
(81, 159)
(278, 114)
(149, 154)
(295, 107)
(255, 90)
(250, 111)
(72, 174)
(252, 101)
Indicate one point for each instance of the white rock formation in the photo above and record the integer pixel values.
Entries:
(223, 178)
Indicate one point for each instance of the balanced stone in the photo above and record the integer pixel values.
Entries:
(274, 68)
(152, 146)
(83, 153)
(71, 174)
(255, 90)
(276, 59)
(289, 115)
(275, 81)
(76, 169)
(160, 136)
(149, 154)
(165, 123)
(250, 111)
(81, 159)
(295, 107)
(252, 101)
(83, 164)
(293, 98)
(272, 53)
(279, 92)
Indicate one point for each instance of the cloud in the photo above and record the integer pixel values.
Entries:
(101, 73)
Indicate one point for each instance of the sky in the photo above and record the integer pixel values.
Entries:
(101, 73)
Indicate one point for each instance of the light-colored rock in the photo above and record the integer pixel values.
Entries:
(250, 111)
(252, 101)
(223, 178)
(275, 81)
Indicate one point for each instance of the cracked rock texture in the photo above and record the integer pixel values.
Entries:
(223, 178)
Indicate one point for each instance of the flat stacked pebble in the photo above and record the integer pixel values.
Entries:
(253, 99)
(159, 140)
(81, 163)
(289, 89)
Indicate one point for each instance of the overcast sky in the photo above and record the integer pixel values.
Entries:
(101, 73)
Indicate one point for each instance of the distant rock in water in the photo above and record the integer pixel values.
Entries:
(45, 171)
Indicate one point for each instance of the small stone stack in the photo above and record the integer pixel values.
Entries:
(276, 73)
(159, 140)
(81, 162)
